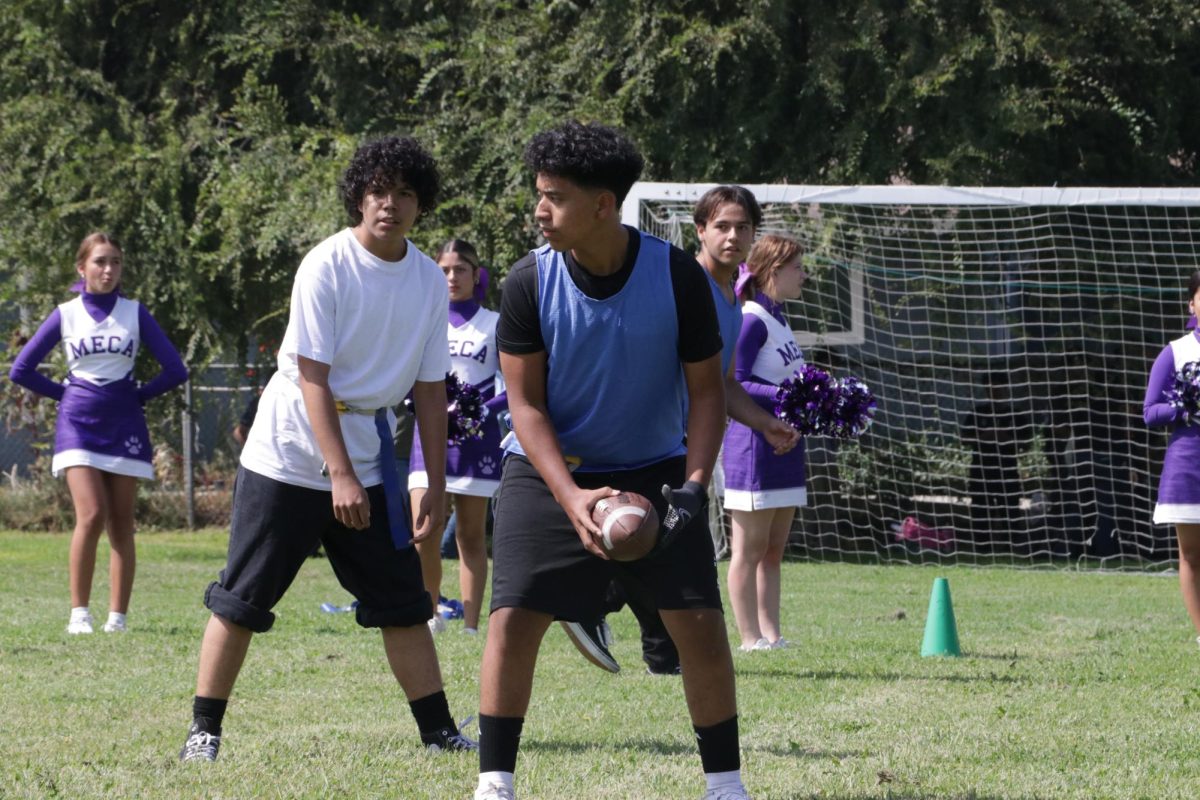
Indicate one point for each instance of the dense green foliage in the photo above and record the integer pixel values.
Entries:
(209, 136)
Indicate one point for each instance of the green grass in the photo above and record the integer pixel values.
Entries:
(1073, 685)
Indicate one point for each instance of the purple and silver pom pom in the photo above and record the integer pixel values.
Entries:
(854, 411)
(1185, 394)
(804, 400)
(465, 411)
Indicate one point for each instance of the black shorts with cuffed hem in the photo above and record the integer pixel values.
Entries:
(275, 526)
(539, 563)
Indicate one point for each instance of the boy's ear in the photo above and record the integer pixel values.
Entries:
(606, 204)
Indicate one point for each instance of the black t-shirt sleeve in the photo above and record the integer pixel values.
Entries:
(519, 329)
(250, 412)
(699, 332)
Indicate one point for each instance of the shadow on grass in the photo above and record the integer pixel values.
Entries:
(884, 793)
(644, 745)
(641, 745)
(843, 675)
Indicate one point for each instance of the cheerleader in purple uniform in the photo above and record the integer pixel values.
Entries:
(101, 442)
(1179, 486)
(473, 467)
(763, 489)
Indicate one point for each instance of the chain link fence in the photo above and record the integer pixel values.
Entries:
(195, 455)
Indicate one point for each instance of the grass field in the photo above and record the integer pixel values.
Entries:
(1072, 685)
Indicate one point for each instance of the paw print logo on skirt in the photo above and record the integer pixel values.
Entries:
(134, 445)
(487, 465)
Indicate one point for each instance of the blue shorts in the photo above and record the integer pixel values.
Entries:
(275, 526)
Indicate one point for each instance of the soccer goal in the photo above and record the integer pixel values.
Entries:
(1008, 334)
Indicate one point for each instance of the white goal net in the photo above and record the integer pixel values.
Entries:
(1008, 335)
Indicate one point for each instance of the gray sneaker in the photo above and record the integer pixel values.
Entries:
(593, 640)
(200, 745)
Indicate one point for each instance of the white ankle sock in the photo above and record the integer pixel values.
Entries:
(116, 618)
(716, 780)
(80, 613)
(503, 778)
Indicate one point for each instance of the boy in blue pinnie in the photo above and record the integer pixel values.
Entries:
(606, 334)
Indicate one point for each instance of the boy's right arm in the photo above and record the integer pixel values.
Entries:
(741, 406)
(525, 375)
(350, 504)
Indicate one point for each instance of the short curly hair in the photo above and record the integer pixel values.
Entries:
(384, 162)
(592, 155)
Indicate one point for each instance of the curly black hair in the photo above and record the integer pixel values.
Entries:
(384, 162)
(592, 155)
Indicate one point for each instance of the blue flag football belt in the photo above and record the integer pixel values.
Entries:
(397, 524)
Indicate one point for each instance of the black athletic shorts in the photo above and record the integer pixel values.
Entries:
(275, 526)
(540, 564)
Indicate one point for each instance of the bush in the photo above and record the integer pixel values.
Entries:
(41, 502)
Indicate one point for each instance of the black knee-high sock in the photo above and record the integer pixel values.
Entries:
(499, 740)
(432, 713)
(719, 746)
(209, 713)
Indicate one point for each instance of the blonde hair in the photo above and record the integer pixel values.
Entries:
(768, 254)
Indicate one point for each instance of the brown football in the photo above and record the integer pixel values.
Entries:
(628, 526)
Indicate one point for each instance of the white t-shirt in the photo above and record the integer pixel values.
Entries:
(380, 325)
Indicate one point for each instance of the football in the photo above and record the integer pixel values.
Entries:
(628, 526)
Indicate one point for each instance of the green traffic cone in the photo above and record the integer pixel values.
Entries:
(941, 634)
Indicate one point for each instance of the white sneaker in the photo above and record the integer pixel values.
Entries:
(437, 623)
(727, 793)
(780, 644)
(761, 644)
(80, 623)
(494, 791)
(471, 631)
(115, 624)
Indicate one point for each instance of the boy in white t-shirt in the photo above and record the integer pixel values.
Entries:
(367, 323)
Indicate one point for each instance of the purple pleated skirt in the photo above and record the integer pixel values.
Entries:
(1179, 485)
(102, 427)
(472, 468)
(756, 478)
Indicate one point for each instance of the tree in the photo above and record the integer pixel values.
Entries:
(210, 137)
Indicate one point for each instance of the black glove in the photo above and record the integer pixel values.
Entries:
(683, 504)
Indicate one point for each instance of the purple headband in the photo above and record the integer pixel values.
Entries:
(744, 276)
(481, 287)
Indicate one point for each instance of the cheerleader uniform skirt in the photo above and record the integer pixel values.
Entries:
(756, 478)
(1179, 485)
(472, 468)
(102, 427)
